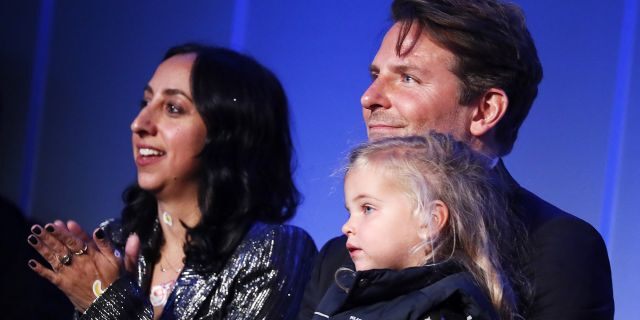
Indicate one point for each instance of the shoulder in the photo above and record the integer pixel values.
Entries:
(278, 233)
(548, 224)
(457, 294)
(543, 220)
(568, 262)
(277, 240)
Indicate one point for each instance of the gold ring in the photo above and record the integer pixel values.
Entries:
(82, 251)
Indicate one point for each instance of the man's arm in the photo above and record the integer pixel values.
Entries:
(332, 256)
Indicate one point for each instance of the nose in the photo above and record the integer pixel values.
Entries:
(145, 123)
(348, 228)
(375, 96)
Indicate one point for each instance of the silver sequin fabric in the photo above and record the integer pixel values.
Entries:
(263, 279)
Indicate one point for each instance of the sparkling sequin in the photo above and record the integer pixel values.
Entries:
(263, 279)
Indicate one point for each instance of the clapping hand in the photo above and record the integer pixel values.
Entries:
(82, 267)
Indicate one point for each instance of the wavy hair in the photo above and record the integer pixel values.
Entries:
(479, 235)
(246, 164)
(492, 47)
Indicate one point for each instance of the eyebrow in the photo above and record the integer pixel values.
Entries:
(408, 68)
(361, 196)
(401, 68)
(170, 92)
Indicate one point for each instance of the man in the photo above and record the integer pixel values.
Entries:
(470, 68)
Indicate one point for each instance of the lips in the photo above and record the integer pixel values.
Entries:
(146, 152)
(353, 250)
(382, 126)
(146, 155)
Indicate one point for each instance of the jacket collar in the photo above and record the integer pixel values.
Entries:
(382, 284)
(192, 288)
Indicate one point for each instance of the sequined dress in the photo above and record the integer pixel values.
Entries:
(263, 279)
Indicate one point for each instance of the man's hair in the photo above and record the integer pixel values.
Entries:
(478, 235)
(492, 47)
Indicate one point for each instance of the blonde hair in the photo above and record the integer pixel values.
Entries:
(478, 235)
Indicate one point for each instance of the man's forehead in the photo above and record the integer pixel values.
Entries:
(416, 54)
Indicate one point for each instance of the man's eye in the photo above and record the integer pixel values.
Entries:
(143, 103)
(407, 78)
(373, 75)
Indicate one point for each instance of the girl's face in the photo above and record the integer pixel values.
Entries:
(168, 133)
(382, 230)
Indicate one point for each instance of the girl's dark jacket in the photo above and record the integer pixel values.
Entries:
(430, 292)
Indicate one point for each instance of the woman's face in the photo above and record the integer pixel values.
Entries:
(168, 133)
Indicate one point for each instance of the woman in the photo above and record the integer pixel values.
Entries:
(213, 152)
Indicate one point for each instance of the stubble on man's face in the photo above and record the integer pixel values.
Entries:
(415, 92)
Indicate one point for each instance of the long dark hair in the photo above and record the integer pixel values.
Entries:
(247, 161)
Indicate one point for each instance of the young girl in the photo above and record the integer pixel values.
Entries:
(426, 215)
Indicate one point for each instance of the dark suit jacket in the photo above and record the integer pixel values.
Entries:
(568, 264)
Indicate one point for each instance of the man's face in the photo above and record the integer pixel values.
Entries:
(413, 93)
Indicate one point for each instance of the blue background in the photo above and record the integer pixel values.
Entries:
(72, 72)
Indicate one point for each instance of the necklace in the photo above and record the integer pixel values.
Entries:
(160, 293)
(167, 219)
(172, 268)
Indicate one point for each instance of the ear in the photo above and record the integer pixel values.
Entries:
(491, 107)
(439, 217)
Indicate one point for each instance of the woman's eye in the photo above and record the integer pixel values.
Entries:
(367, 209)
(173, 108)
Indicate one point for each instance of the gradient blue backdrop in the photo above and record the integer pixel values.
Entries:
(72, 73)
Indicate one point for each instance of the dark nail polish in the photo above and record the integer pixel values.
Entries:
(32, 264)
(49, 228)
(37, 230)
(32, 239)
(100, 234)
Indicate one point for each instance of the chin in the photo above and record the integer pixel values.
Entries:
(148, 185)
(381, 134)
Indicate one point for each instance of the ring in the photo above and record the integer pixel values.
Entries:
(82, 251)
(65, 260)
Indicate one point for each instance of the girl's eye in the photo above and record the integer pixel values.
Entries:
(367, 209)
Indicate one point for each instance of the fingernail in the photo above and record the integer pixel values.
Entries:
(32, 239)
(36, 229)
(49, 228)
(100, 234)
(32, 264)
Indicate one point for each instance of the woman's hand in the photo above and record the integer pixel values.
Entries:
(82, 268)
